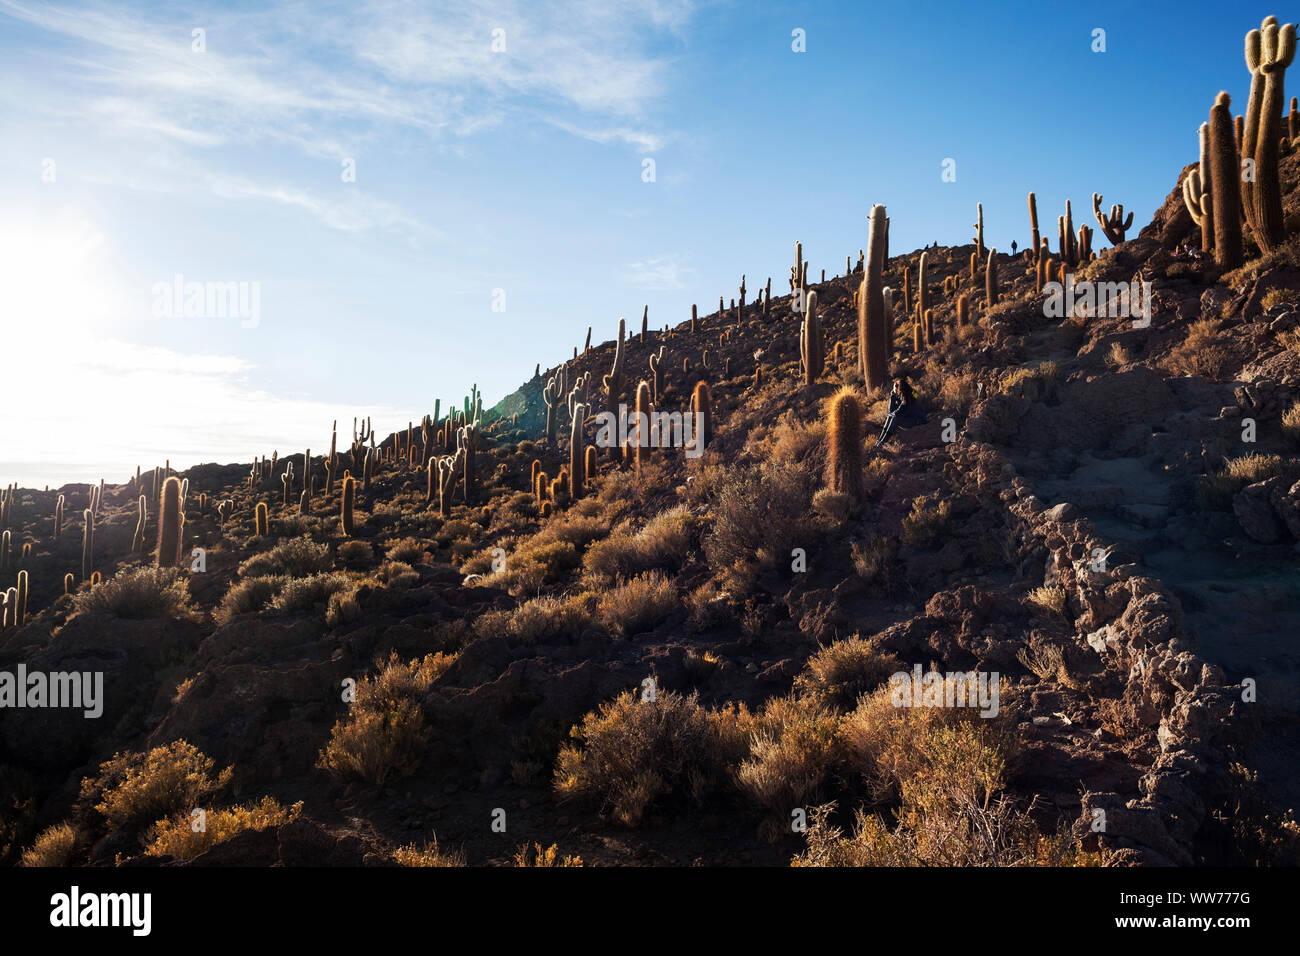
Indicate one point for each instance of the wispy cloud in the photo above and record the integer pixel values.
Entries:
(658, 273)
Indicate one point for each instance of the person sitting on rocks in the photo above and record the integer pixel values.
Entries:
(904, 410)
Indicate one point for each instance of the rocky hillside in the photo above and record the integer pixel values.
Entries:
(687, 659)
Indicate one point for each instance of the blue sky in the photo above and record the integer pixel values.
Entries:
(520, 170)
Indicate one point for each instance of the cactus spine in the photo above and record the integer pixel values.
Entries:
(872, 348)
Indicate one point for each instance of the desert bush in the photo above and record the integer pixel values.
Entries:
(1036, 384)
(429, 855)
(138, 788)
(637, 605)
(304, 595)
(54, 846)
(840, 673)
(137, 594)
(661, 543)
(873, 558)
(247, 596)
(1291, 424)
(759, 513)
(1217, 490)
(793, 747)
(536, 856)
(295, 558)
(632, 754)
(1201, 352)
(396, 575)
(175, 836)
(1048, 599)
(384, 733)
(356, 554)
(407, 550)
(927, 520)
(540, 619)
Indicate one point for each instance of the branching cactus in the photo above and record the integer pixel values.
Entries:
(872, 349)
(549, 396)
(812, 348)
(643, 412)
(1113, 225)
(656, 372)
(1277, 50)
(615, 382)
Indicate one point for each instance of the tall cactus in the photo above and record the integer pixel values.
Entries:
(844, 472)
(872, 348)
(1277, 50)
(1225, 181)
(169, 524)
(702, 413)
(979, 229)
(349, 505)
(142, 511)
(812, 347)
(615, 381)
(1033, 223)
(87, 543)
(643, 412)
(578, 459)
(991, 282)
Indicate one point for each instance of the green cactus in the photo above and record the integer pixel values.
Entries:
(1277, 50)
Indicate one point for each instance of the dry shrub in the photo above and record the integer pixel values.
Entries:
(873, 558)
(175, 836)
(1291, 424)
(295, 558)
(662, 543)
(840, 673)
(138, 594)
(384, 733)
(1201, 352)
(134, 789)
(53, 847)
(429, 855)
(310, 594)
(1217, 490)
(637, 605)
(947, 776)
(759, 513)
(536, 856)
(1049, 599)
(248, 596)
(632, 754)
(407, 550)
(793, 747)
(541, 619)
(927, 520)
